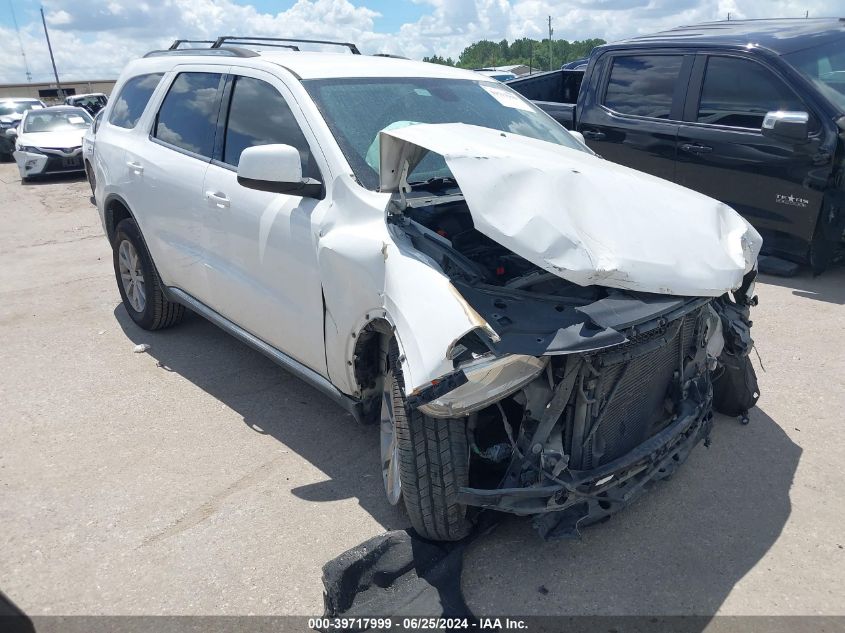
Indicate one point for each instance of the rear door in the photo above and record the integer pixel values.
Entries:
(166, 172)
(262, 255)
(118, 132)
(637, 106)
(723, 153)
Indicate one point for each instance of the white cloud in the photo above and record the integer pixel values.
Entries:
(93, 39)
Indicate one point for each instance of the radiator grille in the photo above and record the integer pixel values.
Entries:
(58, 163)
(637, 408)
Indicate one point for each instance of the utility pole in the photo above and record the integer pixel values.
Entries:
(551, 30)
(52, 59)
(530, 55)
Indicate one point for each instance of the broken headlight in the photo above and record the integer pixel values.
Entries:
(485, 380)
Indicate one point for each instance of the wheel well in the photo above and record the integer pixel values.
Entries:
(116, 212)
(370, 364)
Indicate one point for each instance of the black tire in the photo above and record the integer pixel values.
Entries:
(433, 465)
(92, 180)
(158, 313)
(821, 253)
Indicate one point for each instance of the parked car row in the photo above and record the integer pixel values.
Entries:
(533, 329)
(11, 113)
(49, 141)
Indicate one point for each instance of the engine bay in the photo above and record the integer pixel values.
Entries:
(449, 226)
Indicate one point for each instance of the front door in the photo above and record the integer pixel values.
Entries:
(635, 119)
(262, 256)
(776, 185)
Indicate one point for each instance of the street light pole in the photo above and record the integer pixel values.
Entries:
(52, 59)
(551, 30)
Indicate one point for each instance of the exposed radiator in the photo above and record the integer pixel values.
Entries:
(630, 393)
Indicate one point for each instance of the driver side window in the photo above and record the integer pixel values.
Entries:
(739, 92)
(259, 115)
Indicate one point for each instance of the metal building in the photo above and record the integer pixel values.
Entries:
(48, 92)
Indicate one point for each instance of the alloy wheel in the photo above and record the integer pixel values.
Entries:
(132, 275)
(389, 445)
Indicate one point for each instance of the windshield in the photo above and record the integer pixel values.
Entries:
(56, 121)
(824, 65)
(17, 108)
(356, 110)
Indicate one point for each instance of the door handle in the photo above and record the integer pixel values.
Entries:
(218, 199)
(594, 135)
(138, 168)
(696, 148)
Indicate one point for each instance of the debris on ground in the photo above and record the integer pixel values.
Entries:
(141, 348)
(398, 573)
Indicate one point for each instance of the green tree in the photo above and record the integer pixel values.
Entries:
(485, 53)
(437, 59)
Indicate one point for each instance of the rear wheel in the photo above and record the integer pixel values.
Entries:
(92, 180)
(425, 461)
(138, 282)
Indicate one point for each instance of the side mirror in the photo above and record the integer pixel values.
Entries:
(11, 132)
(578, 136)
(781, 125)
(277, 169)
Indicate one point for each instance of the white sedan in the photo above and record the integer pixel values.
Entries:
(49, 141)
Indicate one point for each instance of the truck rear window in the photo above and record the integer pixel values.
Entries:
(643, 85)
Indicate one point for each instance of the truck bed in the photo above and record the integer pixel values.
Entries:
(556, 92)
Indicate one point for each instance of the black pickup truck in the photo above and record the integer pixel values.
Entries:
(750, 112)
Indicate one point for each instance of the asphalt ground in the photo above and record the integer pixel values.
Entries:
(199, 478)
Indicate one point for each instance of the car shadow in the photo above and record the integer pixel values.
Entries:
(12, 618)
(678, 550)
(52, 179)
(273, 402)
(828, 286)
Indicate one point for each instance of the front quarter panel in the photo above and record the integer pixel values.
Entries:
(369, 272)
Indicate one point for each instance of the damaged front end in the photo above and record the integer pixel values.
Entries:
(577, 397)
(583, 396)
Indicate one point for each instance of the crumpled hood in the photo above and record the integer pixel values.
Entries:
(583, 218)
(54, 140)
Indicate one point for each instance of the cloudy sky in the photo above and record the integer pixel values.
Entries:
(92, 39)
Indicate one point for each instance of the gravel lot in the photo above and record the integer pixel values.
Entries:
(199, 478)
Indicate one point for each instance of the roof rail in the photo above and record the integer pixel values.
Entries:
(177, 43)
(268, 41)
(292, 47)
(229, 51)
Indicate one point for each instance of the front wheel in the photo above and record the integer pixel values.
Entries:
(138, 282)
(425, 461)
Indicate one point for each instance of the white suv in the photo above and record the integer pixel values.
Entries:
(534, 328)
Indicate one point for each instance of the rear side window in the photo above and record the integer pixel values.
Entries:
(643, 85)
(187, 118)
(133, 99)
(259, 115)
(739, 92)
